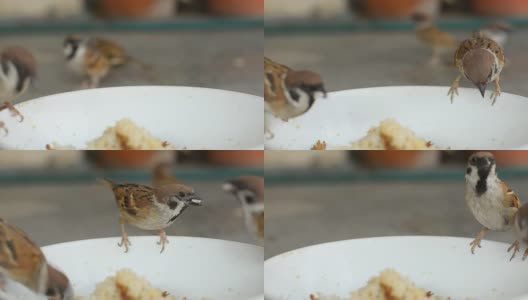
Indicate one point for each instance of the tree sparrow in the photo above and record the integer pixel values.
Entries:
(18, 71)
(249, 190)
(24, 271)
(440, 42)
(480, 60)
(289, 93)
(95, 57)
(151, 208)
(490, 200)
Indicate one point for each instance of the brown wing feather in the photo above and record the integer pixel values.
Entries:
(274, 74)
(115, 54)
(133, 198)
(510, 199)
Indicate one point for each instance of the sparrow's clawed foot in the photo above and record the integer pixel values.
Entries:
(163, 240)
(454, 89)
(125, 242)
(515, 247)
(496, 93)
(476, 242)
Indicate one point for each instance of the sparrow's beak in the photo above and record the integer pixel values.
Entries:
(228, 187)
(482, 88)
(325, 94)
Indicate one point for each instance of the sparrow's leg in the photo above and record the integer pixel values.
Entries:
(435, 57)
(4, 128)
(125, 242)
(94, 81)
(14, 112)
(454, 88)
(515, 247)
(163, 240)
(476, 242)
(525, 255)
(497, 91)
(268, 134)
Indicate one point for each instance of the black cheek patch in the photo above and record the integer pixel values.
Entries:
(294, 95)
(249, 199)
(468, 171)
(173, 205)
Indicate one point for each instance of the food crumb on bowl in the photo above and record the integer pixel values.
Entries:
(319, 145)
(126, 285)
(125, 135)
(390, 135)
(389, 285)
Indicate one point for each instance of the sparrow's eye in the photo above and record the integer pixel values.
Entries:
(181, 194)
(474, 160)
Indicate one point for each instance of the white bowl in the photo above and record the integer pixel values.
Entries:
(196, 268)
(471, 122)
(186, 117)
(443, 265)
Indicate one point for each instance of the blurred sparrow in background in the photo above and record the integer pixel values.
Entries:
(440, 42)
(249, 190)
(94, 57)
(498, 31)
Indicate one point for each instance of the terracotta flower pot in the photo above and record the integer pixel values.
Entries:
(390, 8)
(125, 8)
(394, 159)
(236, 7)
(500, 7)
(123, 159)
(511, 158)
(254, 158)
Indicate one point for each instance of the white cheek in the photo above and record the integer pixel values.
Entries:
(68, 50)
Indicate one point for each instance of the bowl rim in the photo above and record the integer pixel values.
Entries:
(188, 238)
(144, 237)
(167, 87)
(391, 237)
(415, 87)
(267, 145)
(45, 98)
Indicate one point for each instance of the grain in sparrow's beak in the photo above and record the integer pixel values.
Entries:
(195, 201)
(228, 187)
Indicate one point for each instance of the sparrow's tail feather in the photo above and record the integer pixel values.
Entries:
(107, 182)
(144, 66)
